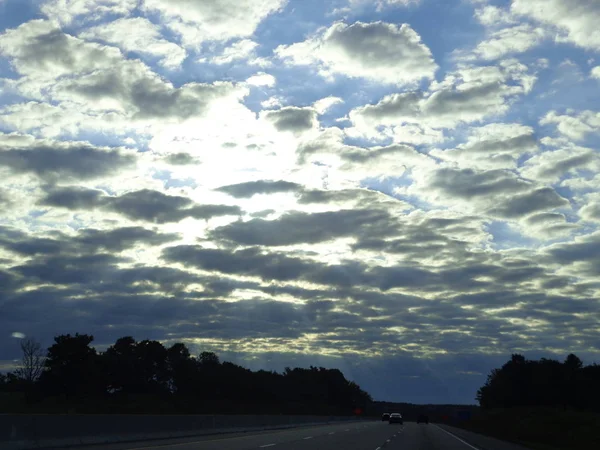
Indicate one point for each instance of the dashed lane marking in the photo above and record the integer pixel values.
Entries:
(307, 437)
(267, 445)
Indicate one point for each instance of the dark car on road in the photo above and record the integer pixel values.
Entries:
(396, 418)
(423, 419)
(385, 417)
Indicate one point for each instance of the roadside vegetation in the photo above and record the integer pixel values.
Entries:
(543, 404)
(146, 377)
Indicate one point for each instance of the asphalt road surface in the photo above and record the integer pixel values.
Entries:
(351, 436)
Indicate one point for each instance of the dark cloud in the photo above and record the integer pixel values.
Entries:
(41, 47)
(146, 204)
(247, 262)
(299, 227)
(521, 205)
(251, 188)
(582, 250)
(292, 118)
(90, 269)
(142, 93)
(73, 197)
(467, 95)
(54, 162)
(380, 51)
(86, 240)
(181, 159)
(469, 183)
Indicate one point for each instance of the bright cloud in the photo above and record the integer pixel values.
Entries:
(138, 35)
(576, 20)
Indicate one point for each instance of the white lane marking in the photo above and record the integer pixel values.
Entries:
(347, 429)
(307, 437)
(387, 440)
(333, 432)
(378, 448)
(456, 437)
(267, 445)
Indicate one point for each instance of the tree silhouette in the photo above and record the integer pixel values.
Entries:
(72, 367)
(144, 376)
(546, 382)
(32, 362)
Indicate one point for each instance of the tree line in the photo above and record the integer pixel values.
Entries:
(145, 376)
(544, 382)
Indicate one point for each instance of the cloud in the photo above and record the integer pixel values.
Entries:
(595, 72)
(181, 159)
(197, 21)
(291, 118)
(493, 146)
(541, 199)
(134, 89)
(552, 166)
(143, 205)
(251, 188)
(54, 160)
(138, 35)
(579, 255)
(493, 16)
(468, 95)
(242, 49)
(101, 80)
(357, 163)
(447, 212)
(301, 228)
(590, 211)
(261, 79)
(325, 104)
(574, 125)
(88, 240)
(577, 19)
(39, 49)
(497, 193)
(67, 11)
(507, 41)
(378, 51)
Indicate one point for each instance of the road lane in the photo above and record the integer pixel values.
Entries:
(355, 436)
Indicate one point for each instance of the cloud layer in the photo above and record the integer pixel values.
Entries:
(384, 187)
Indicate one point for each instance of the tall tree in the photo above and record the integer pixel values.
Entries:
(32, 361)
(72, 367)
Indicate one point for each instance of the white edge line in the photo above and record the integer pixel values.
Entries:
(307, 437)
(456, 437)
(267, 445)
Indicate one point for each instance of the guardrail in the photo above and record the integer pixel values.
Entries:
(37, 431)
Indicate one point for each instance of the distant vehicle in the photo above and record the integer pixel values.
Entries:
(396, 418)
(385, 416)
(423, 419)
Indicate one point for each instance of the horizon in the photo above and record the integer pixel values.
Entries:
(405, 190)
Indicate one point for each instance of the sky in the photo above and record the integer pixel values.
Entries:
(406, 190)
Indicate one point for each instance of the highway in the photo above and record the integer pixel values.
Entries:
(350, 436)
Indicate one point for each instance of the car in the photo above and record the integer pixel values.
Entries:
(396, 418)
(423, 419)
(385, 417)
